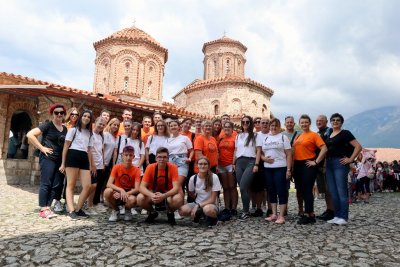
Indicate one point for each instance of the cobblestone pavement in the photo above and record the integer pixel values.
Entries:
(372, 238)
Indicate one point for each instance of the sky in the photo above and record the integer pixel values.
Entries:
(319, 57)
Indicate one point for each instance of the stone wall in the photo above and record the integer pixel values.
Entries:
(231, 98)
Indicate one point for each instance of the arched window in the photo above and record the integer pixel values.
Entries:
(228, 67)
(216, 109)
(264, 110)
(18, 145)
(127, 65)
(236, 106)
(126, 82)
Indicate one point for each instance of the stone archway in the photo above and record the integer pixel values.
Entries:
(18, 145)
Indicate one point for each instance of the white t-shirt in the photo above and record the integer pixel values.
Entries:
(178, 145)
(201, 194)
(97, 151)
(122, 144)
(242, 150)
(139, 149)
(109, 145)
(81, 141)
(274, 146)
(154, 142)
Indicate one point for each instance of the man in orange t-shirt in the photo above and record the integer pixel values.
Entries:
(126, 115)
(147, 130)
(160, 188)
(123, 185)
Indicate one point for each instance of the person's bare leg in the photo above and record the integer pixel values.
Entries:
(72, 176)
(86, 183)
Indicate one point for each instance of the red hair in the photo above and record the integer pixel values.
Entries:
(56, 105)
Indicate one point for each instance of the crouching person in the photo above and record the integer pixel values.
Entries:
(159, 189)
(204, 187)
(123, 185)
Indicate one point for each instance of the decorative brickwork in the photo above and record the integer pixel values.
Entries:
(225, 88)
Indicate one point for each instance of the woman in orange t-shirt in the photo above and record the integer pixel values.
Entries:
(305, 167)
(206, 145)
(226, 149)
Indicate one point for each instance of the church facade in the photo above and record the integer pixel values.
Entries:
(224, 87)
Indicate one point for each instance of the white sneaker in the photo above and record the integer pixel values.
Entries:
(340, 221)
(177, 216)
(128, 216)
(121, 210)
(90, 211)
(133, 211)
(333, 220)
(113, 216)
(57, 206)
(144, 212)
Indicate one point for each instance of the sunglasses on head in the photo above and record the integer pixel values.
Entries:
(59, 113)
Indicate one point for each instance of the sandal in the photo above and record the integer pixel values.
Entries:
(271, 218)
(280, 220)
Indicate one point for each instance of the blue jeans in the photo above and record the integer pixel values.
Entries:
(51, 181)
(275, 179)
(336, 176)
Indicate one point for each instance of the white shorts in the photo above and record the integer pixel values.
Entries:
(224, 169)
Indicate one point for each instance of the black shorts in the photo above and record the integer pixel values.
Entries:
(77, 159)
(99, 176)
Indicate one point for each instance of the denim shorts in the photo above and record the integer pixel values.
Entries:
(224, 169)
(180, 161)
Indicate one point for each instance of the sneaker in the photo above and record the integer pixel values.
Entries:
(326, 216)
(90, 211)
(340, 221)
(306, 219)
(264, 209)
(133, 211)
(128, 216)
(81, 213)
(143, 212)
(257, 213)
(177, 216)
(171, 218)
(47, 214)
(113, 216)
(121, 210)
(234, 212)
(332, 220)
(244, 216)
(57, 206)
(73, 216)
(197, 216)
(252, 211)
(211, 222)
(151, 217)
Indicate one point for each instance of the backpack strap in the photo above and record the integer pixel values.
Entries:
(119, 145)
(156, 177)
(293, 137)
(193, 136)
(73, 137)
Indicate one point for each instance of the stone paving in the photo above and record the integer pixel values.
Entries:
(372, 238)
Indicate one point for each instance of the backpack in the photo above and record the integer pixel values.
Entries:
(164, 204)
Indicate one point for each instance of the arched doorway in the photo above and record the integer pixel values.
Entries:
(18, 146)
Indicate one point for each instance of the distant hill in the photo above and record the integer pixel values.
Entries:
(377, 127)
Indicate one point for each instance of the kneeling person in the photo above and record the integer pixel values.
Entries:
(204, 187)
(159, 189)
(123, 185)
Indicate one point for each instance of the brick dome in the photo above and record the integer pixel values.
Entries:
(131, 34)
(225, 40)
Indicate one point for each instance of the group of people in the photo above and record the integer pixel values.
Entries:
(171, 167)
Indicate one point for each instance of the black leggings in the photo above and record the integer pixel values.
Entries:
(305, 179)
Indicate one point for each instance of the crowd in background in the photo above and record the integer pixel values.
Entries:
(186, 167)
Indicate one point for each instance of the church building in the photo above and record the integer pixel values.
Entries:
(224, 87)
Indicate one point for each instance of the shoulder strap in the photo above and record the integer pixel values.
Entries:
(151, 139)
(73, 137)
(293, 137)
(194, 182)
(193, 136)
(156, 177)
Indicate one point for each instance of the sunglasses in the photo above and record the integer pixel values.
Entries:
(257, 122)
(74, 114)
(59, 113)
(336, 120)
(245, 122)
